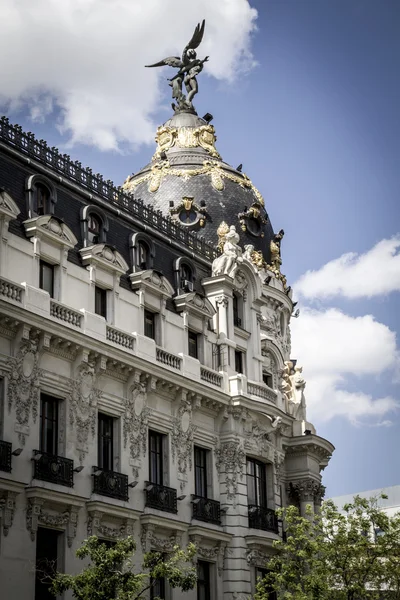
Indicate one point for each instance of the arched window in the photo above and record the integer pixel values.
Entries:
(237, 301)
(142, 252)
(185, 275)
(94, 226)
(143, 256)
(41, 196)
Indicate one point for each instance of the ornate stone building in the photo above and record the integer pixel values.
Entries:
(146, 380)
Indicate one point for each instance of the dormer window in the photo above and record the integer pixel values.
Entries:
(41, 196)
(94, 229)
(143, 256)
(94, 226)
(186, 278)
(142, 252)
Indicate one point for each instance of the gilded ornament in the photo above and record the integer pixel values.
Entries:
(222, 230)
(186, 137)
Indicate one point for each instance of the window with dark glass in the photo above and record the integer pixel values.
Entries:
(48, 424)
(186, 277)
(46, 277)
(100, 301)
(256, 483)
(260, 574)
(267, 379)
(193, 344)
(143, 256)
(203, 580)
(156, 467)
(236, 311)
(93, 229)
(42, 196)
(105, 448)
(238, 361)
(47, 543)
(200, 471)
(157, 589)
(149, 324)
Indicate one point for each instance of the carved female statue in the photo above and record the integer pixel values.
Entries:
(227, 263)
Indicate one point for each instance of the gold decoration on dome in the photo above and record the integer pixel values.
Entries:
(222, 230)
(210, 167)
(186, 137)
(257, 259)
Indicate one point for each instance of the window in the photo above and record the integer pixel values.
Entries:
(93, 229)
(47, 544)
(203, 580)
(105, 442)
(216, 357)
(260, 574)
(100, 301)
(200, 471)
(256, 483)
(46, 278)
(143, 256)
(239, 361)
(49, 424)
(193, 344)
(157, 589)
(42, 199)
(237, 313)
(186, 278)
(268, 380)
(156, 459)
(149, 324)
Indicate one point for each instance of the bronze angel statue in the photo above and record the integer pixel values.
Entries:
(189, 67)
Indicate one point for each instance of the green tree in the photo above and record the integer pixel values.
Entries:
(110, 573)
(348, 555)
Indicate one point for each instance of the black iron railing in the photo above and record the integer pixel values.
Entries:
(263, 518)
(5, 456)
(237, 321)
(205, 509)
(161, 497)
(52, 468)
(110, 483)
(14, 136)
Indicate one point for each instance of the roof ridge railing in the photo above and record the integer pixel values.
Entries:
(13, 135)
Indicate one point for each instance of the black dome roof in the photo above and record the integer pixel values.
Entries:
(188, 180)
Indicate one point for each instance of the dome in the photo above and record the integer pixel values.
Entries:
(188, 181)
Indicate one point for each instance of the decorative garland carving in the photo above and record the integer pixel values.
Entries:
(230, 459)
(256, 557)
(210, 167)
(36, 515)
(95, 526)
(259, 441)
(83, 401)
(149, 541)
(186, 137)
(182, 439)
(135, 423)
(24, 385)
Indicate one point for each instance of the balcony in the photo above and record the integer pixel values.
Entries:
(110, 483)
(263, 518)
(237, 321)
(5, 456)
(161, 497)
(205, 509)
(52, 468)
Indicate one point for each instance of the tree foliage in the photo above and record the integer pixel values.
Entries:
(349, 555)
(110, 574)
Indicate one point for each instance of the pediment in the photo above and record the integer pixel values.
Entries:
(52, 229)
(195, 303)
(152, 280)
(104, 256)
(8, 206)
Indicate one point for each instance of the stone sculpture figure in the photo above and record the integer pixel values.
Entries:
(228, 262)
(189, 67)
(298, 402)
(248, 251)
(275, 248)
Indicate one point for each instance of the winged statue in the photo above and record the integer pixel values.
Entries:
(189, 66)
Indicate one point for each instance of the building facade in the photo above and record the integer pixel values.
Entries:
(146, 380)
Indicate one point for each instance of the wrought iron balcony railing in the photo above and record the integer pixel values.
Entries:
(52, 468)
(110, 483)
(205, 509)
(263, 518)
(237, 321)
(5, 456)
(161, 497)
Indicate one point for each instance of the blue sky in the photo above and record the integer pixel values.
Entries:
(306, 95)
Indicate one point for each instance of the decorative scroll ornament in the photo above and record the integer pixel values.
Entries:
(230, 461)
(189, 214)
(257, 558)
(259, 441)
(186, 137)
(306, 490)
(24, 386)
(96, 526)
(83, 401)
(135, 423)
(228, 262)
(255, 257)
(36, 515)
(7, 509)
(210, 167)
(182, 440)
(149, 541)
(253, 219)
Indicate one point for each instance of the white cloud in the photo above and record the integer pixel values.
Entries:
(87, 57)
(333, 346)
(354, 275)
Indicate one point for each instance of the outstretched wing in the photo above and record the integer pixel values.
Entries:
(197, 36)
(170, 61)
